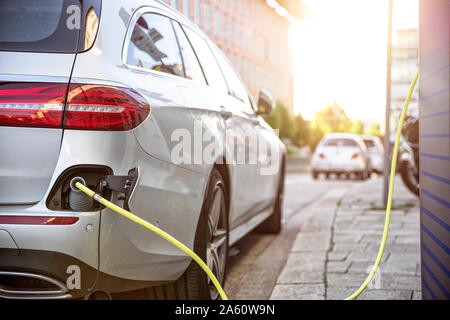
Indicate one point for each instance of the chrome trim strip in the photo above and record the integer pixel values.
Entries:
(42, 297)
(62, 287)
(78, 80)
(32, 78)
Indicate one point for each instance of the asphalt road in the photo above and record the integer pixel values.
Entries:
(257, 260)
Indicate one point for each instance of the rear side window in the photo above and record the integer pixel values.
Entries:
(154, 46)
(209, 64)
(192, 68)
(369, 144)
(58, 26)
(339, 142)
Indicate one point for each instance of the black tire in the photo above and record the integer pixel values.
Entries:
(364, 175)
(315, 175)
(194, 284)
(272, 225)
(405, 173)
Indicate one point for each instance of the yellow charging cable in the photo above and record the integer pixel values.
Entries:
(205, 268)
(391, 190)
(156, 230)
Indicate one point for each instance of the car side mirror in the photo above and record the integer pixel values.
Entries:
(265, 103)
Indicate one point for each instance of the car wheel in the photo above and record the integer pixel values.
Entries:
(364, 175)
(409, 176)
(273, 223)
(210, 244)
(315, 175)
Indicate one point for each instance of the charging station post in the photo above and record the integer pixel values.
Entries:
(434, 145)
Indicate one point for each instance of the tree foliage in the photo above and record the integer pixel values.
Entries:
(330, 119)
(281, 120)
(374, 129)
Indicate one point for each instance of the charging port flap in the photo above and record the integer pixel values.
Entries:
(125, 185)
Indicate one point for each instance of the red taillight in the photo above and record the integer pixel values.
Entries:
(89, 107)
(37, 220)
(321, 156)
(32, 104)
(355, 155)
(98, 107)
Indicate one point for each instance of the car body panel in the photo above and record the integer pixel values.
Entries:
(168, 194)
(28, 155)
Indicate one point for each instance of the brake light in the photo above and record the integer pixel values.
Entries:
(98, 107)
(321, 156)
(38, 220)
(32, 104)
(355, 155)
(89, 107)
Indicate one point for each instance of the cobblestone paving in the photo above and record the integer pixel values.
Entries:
(336, 247)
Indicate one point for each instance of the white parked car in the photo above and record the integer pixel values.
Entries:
(341, 153)
(376, 152)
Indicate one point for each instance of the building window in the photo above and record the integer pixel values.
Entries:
(197, 11)
(207, 17)
(218, 24)
(187, 8)
(225, 28)
(174, 3)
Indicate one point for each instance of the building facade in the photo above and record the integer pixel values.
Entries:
(254, 37)
(405, 59)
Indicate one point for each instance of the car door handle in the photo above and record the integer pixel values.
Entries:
(226, 114)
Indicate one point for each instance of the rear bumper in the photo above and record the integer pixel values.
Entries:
(46, 256)
(38, 274)
(338, 168)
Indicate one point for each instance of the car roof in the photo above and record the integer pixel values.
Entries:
(369, 137)
(342, 136)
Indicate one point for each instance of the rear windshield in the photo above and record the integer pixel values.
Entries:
(341, 142)
(369, 144)
(61, 26)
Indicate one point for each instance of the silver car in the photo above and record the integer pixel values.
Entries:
(376, 153)
(341, 153)
(102, 92)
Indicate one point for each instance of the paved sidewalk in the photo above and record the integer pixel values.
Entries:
(336, 247)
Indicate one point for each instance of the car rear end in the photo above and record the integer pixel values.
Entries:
(338, 154)
(45, 245)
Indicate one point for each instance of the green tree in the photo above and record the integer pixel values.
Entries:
(281, 119)
(332, 119)
(274, 119)
(314, 136)
(357, 127)
(374, 129)
(301, 137)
